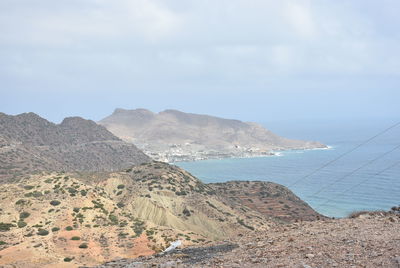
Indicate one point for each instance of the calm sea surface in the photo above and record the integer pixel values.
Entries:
(336, 190)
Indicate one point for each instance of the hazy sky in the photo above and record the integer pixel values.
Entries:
(247, 59)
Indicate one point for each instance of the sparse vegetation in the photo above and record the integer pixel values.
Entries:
(24, 215)
(4, 227)
(34, 194)
(21, 202)
(186, 212)
(55, 203)
(113, 219)
(357, 214)
(83, 245)
(241, 222)
(42, 232)
(21, 224)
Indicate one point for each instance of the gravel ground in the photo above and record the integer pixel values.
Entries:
(370, 240)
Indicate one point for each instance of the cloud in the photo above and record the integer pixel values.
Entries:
(47, 44)
(300, 17)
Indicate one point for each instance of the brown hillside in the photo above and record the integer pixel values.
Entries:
(268, 198)
(45, 218)
(29, 143)
(174, 136)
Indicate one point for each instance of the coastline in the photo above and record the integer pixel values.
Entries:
(273, 153)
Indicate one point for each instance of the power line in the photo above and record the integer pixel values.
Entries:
(344, 154)
(358, 184)
(355, 170)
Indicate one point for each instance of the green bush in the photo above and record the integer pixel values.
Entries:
(55, 229)
(21, 224)
(55, 203)
(21, 202)
(69, 228)
(113, 219)
(181, 193)
(2, 243)
(76, 210)
(75, 238)
(28, 187)
(121, 186)
(33, 194)
(24, 215)
(42, 232)
(83, 245)
(68, 259)
(5, 226)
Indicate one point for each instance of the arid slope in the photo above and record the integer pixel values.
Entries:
(173, 135)
(29, 143)
(58, 218)
(370, 240)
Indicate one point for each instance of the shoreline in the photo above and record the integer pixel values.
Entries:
(274, 153)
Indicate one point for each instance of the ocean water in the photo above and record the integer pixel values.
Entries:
(365, 179)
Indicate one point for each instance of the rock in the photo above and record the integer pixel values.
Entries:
(397, 260)
(310, 256)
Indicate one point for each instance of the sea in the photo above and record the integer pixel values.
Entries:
(353, 174)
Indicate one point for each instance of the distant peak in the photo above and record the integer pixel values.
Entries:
(31, 117)
(74, 120)
(172, 111)
(119, 110)
(125, 111)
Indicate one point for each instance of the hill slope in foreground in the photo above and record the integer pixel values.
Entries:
(61, 220)
(29, 143)
(369, 240)
(175, 136)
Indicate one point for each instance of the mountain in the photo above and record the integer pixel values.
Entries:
(29, 143)
(173, 135)
(63, 220)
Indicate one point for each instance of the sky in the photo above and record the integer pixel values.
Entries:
(254, 60)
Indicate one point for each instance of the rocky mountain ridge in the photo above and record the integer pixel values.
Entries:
(29, 143)
(172, 135)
